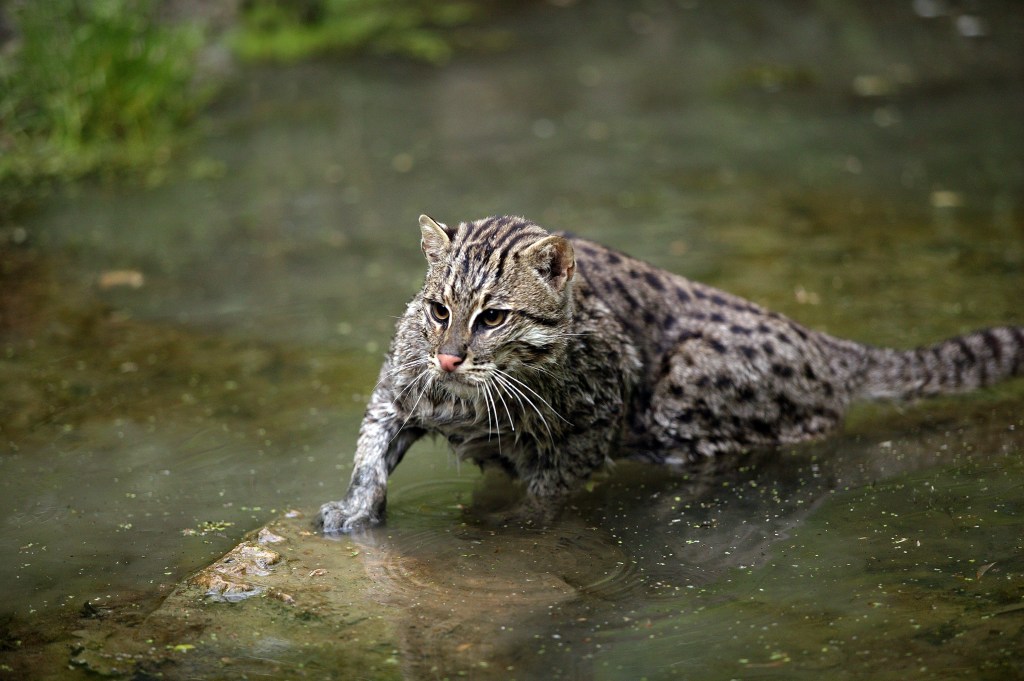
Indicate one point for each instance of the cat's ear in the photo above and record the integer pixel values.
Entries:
(554, 260)
(434, 240)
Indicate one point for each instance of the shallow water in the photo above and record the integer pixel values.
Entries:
(859, 170)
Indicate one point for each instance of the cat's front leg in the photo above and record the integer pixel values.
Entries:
(383, 441)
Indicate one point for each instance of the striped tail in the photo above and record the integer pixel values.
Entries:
(954, 365)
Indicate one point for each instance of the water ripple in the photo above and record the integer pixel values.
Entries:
(465, 563)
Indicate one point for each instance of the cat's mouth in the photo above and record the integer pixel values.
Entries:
(457, 383)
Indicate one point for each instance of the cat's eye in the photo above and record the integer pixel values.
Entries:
(493, 318)
(440, 313)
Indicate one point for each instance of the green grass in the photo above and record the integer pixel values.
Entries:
(290, 30)
(104, 87)
(92, 86)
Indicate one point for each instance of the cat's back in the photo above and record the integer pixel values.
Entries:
(652, 298)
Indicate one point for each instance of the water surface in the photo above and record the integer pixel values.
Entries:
(857, 169)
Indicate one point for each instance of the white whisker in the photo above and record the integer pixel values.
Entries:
(520, 396)
(409, 385)
(533, 392)
(426, 384)
(511, 421)
(489, 403)
(411, 364)
(487, 409)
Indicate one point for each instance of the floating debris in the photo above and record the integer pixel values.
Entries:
(121, 278)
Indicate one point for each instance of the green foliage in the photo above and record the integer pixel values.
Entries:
(91, 86)
(289, 30)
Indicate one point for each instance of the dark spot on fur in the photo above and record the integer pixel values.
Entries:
(740, 330)
(702, 410)
(993, 344)
(700, 294)
(358, 479)
(649, 318)
(682, 295)
(967, 356)
(809, 372)
(613, 258)
(716, 317)
(782, 370)
(1018, 358)
(723, 382)
(675, 390)
(717, 346)
(787, 408)
(703, 382)
(624, 292)
(747, 351)
(654, 281)
(718, 300)
(784, 338)
(746, 394)
(768, 348)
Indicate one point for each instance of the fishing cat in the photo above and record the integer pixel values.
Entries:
(547, 355)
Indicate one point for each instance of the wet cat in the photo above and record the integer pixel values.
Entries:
(547, 355)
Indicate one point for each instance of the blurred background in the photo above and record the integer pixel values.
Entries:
(208, 226)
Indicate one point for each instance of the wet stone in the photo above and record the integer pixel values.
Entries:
(256, 611)
(402, 602)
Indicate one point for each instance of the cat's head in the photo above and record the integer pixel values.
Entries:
(497, 297)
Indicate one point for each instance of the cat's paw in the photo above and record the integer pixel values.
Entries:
(342, 517)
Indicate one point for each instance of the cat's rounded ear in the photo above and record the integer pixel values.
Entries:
(553, 259)
(434, 239)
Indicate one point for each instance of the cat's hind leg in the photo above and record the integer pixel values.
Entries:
(719, 392)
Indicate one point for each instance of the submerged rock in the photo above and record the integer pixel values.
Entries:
(305, 611)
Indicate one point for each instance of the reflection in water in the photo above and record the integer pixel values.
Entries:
(656, 574)
(858, 171)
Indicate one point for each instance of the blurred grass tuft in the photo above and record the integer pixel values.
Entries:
(291, 30)
(92, 86)
(109, 87)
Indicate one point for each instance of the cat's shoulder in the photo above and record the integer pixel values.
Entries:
(597, 254)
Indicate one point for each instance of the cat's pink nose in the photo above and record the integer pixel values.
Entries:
(449, 362)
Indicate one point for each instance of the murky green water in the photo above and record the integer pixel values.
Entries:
(860, 169)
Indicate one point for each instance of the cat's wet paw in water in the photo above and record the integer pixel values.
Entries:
(343, 517)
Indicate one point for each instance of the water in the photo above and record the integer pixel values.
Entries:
(857, 169)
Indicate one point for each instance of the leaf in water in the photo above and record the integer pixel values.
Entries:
(983, 569)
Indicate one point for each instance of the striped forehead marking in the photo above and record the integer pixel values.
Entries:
(481, 251)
